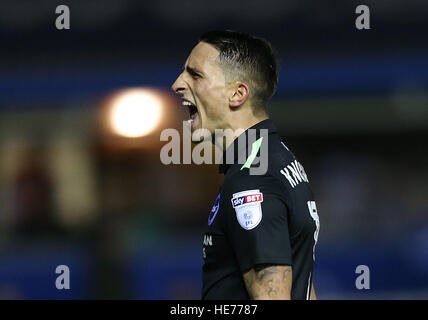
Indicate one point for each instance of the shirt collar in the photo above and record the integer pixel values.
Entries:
(265, 124)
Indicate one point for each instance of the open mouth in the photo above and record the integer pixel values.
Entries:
(193, 110)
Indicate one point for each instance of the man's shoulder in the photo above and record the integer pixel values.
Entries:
(279, 153)
(240, 179)
(284, 171)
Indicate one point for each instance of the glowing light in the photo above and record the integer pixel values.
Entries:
(135, 113)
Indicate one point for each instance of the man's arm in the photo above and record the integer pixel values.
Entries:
(265, 282)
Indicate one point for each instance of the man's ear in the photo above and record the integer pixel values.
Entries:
(239, 94)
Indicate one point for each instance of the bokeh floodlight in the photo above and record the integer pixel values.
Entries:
(135, 113)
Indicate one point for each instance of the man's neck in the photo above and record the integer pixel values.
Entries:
(236, 129)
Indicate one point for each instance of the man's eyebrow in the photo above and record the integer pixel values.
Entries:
(192, 70)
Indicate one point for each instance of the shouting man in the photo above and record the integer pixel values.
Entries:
(263, 228)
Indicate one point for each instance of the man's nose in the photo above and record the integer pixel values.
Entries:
(179, 85)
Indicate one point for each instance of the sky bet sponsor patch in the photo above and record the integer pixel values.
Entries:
(247, 205)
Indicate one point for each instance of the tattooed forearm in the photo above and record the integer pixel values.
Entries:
(269, 282)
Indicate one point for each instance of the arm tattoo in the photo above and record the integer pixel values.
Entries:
(269, 281)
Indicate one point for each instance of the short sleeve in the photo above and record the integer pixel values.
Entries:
(257, 220)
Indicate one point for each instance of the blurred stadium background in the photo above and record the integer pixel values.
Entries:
(353, 106)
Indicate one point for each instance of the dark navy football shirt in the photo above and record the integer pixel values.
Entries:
(260, 219)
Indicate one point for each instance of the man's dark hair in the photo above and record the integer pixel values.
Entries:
(248, 59)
